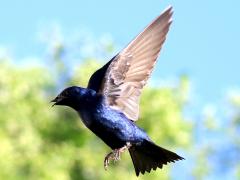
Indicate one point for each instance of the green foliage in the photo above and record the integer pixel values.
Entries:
(40, 142)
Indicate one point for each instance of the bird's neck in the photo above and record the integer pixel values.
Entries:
(86, 99)
(87, 107)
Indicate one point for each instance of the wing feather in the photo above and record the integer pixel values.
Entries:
(130, 69)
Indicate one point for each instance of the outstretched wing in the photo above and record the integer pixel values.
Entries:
(95, 81)
(128, 72)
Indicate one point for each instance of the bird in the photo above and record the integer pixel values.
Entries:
(109, 105)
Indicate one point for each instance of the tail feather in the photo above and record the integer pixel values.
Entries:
(148, 156)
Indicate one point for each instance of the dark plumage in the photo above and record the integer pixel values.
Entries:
(110, 104)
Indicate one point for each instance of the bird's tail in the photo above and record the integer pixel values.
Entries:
(149, 156)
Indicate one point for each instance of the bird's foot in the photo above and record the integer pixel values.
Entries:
(115, 155)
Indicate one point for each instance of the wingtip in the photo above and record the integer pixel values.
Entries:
(168, 10)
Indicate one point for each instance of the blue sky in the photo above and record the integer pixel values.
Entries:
(203, 42)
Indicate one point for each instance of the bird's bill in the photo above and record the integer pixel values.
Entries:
(57, 101)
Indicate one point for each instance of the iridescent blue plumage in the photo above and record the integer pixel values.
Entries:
(112, 126)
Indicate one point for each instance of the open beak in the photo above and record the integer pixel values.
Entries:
(56, 101)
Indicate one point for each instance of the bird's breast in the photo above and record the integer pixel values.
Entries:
(86, 117)
(111, 126)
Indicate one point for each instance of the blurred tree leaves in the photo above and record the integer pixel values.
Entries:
(38, 142)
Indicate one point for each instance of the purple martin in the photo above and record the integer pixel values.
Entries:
(109, 106)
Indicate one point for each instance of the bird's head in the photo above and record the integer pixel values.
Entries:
(69, 97)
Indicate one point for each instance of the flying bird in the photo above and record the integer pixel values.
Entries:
(109, 106)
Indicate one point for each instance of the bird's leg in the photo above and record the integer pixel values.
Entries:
(115, 155)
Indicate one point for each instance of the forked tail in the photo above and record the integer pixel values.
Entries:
(149, 156)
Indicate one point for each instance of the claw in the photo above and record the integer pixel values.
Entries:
(115, 155)
(106, 160)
